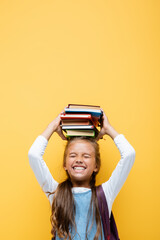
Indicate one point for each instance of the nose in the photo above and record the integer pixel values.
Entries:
(79, 160)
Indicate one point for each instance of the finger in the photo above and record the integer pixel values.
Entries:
(97, 139)
(58, 119)
(60, 133)
(100, 135)
(63, 110)
(62, 136)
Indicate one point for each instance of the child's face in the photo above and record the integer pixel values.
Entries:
(80, 163)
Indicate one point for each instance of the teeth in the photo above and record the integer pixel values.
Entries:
(79, 168)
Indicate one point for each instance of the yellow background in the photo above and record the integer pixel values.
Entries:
(103, 53)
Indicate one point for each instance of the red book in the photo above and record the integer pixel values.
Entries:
(74, 116)
(80, 116)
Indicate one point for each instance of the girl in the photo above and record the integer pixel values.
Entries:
(75, 213)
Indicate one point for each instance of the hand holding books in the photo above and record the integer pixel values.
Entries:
(106, 128)
(58, 129)
(52, 127)
(105, 125)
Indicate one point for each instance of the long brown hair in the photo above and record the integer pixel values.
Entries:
(63, 206)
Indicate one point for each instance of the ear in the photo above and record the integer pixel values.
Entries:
(96, 169)
(65, 168)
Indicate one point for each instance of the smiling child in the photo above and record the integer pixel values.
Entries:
(75, 214)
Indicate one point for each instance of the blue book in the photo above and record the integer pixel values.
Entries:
(93, 112)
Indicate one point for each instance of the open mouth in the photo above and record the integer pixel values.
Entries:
(79, 168)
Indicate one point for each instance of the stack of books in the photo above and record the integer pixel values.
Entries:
(81, 120)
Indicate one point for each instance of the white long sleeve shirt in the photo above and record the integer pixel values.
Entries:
(111, 187)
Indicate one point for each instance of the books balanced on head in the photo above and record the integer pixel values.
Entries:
(81, 120)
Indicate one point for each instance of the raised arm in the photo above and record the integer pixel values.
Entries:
(120, 173)
(35, 155)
